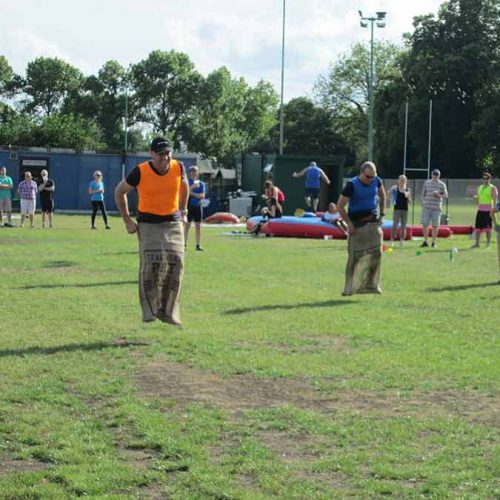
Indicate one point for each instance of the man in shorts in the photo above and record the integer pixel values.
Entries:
(197, 192)
(5, 197)
(433, 192)
(27, 190)
(46, 188)
(313, 174)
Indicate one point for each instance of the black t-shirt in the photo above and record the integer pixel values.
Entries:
(133, 179)
(46, 196)
(401, 200)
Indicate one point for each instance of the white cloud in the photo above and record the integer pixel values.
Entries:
(244, 35)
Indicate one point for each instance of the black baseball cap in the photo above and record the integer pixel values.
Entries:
(160, 145)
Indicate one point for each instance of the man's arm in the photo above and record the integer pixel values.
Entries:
(183, 198)
(301, 173)
(324, 176)
(445, 191)
(381, 200)
(121, 201)
(341, 207)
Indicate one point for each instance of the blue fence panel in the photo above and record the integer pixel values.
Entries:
(73, 172)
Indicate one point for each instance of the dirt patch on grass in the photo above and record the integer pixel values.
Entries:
(184, 385)
(10, 466)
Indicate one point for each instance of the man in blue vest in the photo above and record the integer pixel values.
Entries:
(313, 174)
(365, 196)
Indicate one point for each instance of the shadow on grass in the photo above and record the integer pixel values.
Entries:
(54, 264)
(456, 288)
(77, 285)
(274, 307)
(96, 346)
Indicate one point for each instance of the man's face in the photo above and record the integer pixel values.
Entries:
(161, 159)
(367, 175)
(193, 173)
(3, 171)
(27, 176)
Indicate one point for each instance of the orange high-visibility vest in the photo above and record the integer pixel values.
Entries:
(159, 194)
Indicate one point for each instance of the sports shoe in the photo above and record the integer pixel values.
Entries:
(424, 244)
(93, 227)
(199, 249)
(434, 245)
(476, 245)
(487, 246)
(107, 227)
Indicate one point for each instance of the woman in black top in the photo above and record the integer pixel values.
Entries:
(401, 197)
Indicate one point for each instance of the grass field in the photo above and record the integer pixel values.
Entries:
(276, 387)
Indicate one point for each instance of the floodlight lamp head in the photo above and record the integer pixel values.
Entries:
(381, 15)
(363, 24)
(360, 13)
(380, 24)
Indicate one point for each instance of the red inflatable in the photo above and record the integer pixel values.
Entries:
(387, 233)
(443, 231)
(278, 227)
(222, 218)
(461, 229)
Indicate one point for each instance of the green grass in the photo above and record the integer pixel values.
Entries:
(276, 387)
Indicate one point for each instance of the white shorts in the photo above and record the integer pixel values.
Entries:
(5, 205)
(28, 206)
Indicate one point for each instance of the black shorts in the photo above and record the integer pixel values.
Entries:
(195, 214)
(312, 193)
(47, 206)
(483, 220)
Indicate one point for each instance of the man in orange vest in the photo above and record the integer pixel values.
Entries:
(163, 190)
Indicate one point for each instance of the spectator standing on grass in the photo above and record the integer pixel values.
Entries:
(27, 191)
(96, 192)
(313, 175)
(6, 186)
(433, 192)
(401, 197)
(365, 196)
(197, 192)
(163, 190)
(496, 226)
(486, 198)
(46, 189)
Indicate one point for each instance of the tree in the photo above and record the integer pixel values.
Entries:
(229, 117)
(49, 81)
(166, 87)
(308, 129)
(454, 60)
(344, 90)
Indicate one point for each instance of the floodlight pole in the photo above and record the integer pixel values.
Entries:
(282, 111)
(370, 100)
(380, 20)
(125, 138)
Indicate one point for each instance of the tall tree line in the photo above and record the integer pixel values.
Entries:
(451, 58)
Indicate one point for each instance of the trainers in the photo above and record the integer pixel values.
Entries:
(476, 245)
(434, 245)
(199, 249)
(424, 244)
(107, 227)
(487, 246)
(93, 227)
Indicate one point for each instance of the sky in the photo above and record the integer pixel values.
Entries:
(243, 35)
